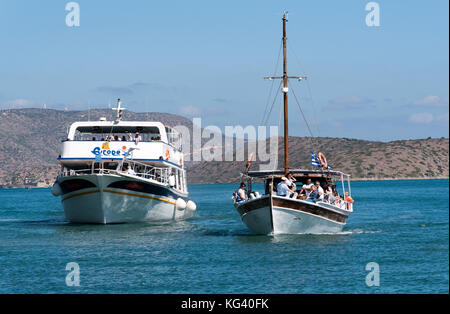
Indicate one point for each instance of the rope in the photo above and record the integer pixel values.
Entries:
(271, 87)
(271, 108)
(309, 90)
(303, 115)
(310, 139)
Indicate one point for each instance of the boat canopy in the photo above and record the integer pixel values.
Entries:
(297, 172)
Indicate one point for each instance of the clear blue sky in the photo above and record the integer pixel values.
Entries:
(208, 58)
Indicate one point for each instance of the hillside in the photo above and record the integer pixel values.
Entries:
(368, 160)
(30, 139)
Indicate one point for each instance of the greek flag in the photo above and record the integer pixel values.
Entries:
(315, 160)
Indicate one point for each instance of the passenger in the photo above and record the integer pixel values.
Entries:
(94, 139)
(291, 182)
(348, 201)
(137, 138)
(128, 170)
(307, 188)
(116, 138)
(342, 202)
(337, 199)
(241, 194)
(124, 139)
(329, 197)
(317, 195)
(312, 194)
(284, 190)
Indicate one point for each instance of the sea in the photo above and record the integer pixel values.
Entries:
(396, 241)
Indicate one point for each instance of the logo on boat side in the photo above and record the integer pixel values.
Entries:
(105, 151)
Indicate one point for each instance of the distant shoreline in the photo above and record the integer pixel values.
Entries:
(397, 179)
(353, 180)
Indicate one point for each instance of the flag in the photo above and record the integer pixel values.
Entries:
(315, 162)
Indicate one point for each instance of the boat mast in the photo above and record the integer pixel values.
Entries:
(285, 98)
(285, 90)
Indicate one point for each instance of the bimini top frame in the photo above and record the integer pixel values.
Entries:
(281, 173)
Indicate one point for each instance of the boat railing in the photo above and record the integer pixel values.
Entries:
(148, 172)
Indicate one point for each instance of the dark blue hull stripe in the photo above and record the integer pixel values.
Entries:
(144, 188)
(73, 185)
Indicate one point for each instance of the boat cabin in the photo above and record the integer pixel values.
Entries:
(110, 141)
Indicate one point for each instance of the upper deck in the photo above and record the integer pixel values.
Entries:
(95, 141)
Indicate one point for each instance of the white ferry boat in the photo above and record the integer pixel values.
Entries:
(122, 171)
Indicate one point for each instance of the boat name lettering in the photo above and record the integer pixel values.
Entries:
(107, 152)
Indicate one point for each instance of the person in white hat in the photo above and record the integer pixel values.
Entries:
(284, 190)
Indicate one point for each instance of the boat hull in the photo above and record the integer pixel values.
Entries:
(105, 199)
(280, 215)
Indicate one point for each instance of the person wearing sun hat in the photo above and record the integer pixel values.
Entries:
(284, 190)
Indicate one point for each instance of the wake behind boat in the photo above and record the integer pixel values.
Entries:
(122, 171)
(294, 200)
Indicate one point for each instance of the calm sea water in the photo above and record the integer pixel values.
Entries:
(401, 225)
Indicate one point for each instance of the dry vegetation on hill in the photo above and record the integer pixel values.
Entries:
(30, 140)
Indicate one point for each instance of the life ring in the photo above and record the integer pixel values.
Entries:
(167, 154)
(323, 160)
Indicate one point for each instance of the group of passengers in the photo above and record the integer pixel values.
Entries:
(313, 192)
(136, 138)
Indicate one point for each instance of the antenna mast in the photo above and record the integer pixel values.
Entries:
(119, 110)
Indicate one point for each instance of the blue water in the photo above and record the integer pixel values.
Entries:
(401, 225)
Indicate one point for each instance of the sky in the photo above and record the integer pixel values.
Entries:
(207, 59)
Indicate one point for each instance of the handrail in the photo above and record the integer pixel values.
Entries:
(145, 171)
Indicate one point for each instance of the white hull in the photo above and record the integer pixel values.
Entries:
(287, 216)
(288, 221)
(103, 204)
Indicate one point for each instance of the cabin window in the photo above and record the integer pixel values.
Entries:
(122, 133)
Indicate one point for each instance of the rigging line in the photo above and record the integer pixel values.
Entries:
(279, 119)
(311, 138)
(309, 89)
(274, 100)
(314, 109)
(303, 115)
(271, 87)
